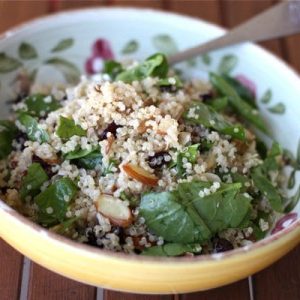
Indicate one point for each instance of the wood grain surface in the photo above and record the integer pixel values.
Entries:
(278, 282)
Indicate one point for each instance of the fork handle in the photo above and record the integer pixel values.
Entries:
(281, 20)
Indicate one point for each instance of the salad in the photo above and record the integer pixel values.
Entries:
(139, 160)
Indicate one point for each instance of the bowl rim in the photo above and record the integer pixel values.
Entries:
(269, 241)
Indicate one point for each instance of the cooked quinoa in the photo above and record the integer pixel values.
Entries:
(140, 161)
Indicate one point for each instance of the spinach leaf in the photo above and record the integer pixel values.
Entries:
(270, 163)
(182, 216)
(87, 159)
(39, 105)
(190, 154)
(79, 153)
(32, 129)
(172, 249)
(258, 233)
(166, 217)
(171, 81)
(67, 128)
(238, 178)
(112, 68)
(261, 148)
(32, 182)
(91, 161)
(267, 189)
(241, 90)
(225, 208)
(155, 66)
(54, 201)
(219, 104)
(201, 114)
(241, 106)
(8, 132)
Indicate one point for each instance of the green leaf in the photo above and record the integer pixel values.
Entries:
(227, 64)
(68, 69)
(172, 249)
(63, 45)
(67, 128)
(278, 108)
(171, 81)
(88, 159)
(79, 153)
(190, 153)
(267, 97)
(54, 201)
(267, 189)
(131, 47)
(241, 90)
(241, 106)
(155, 66)
(8, 63)
(261, 148)
(27, 51)
(32, 129)
(270, 162)
(292, 179)
(206, 59)
(200, 114)
(112, 68)
(165, 44)
(166, 217)
(220, 210)
(219, 104)
(258, 233)
(32, 182)
(91, 161)
(293, 201)
(39, 105)
(8, 132)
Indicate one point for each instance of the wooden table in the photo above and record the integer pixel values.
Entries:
(22, 279)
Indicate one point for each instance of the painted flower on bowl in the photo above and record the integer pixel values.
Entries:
(101, 51)
(284, 222)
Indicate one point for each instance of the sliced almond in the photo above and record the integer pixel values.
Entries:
(160, 132)
(110, 141)
(114, 209)
(140, 174)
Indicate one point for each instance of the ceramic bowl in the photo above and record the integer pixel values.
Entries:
(59, 48)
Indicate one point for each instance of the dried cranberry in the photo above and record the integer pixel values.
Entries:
(112, 128)
(206, 97)
(168, 88)
(92, 240)
(221, 245)
(47, 168)
(119, 231)
(159, 159)
(20, 139)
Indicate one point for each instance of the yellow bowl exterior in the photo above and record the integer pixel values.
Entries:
(139, 274)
